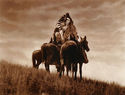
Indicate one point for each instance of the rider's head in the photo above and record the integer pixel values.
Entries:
(68, 21)
(68, 17)
(63, 18)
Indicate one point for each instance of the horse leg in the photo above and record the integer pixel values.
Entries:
(68, 67)
(34, 62)
(67, 70)
(75, 70)
(47, 66)
(61, 67)
(80, 70)
(72, 70)
(63, 70)
(58, 65)
(38, 63)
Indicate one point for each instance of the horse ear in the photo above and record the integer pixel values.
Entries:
(85, 37)
(51, 40)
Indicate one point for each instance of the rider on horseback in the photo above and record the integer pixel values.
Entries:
(64, 29)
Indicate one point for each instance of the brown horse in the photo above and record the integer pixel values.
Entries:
(37, 58)
(72, 53)
(49, 54)
(83, 59)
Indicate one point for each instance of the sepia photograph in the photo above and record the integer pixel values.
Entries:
(62, 47)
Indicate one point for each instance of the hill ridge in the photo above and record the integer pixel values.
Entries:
(19, 80)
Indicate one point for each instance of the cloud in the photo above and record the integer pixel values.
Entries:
(122, 29)
(38, 13)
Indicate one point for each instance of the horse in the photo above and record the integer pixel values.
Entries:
(72, 53)
(84, 47)
(37, 58)
(49, 53)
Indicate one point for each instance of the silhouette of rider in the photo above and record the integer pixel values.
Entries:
(65, 29)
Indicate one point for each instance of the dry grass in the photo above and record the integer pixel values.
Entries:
(19, 80)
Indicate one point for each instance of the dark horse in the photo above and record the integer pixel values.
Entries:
(49, 54)
(73, 53)
(37, 58)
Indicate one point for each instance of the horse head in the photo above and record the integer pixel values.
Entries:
(84, 43)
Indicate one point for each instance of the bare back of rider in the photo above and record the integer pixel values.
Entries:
(70, 30)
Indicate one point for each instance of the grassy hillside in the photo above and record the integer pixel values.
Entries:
(19, 80)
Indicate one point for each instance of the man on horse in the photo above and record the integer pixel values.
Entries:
(64, 30)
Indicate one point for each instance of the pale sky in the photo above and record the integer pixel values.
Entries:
(26, 24)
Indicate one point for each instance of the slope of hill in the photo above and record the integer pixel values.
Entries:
(20, 80)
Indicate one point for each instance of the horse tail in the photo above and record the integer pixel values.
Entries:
(43, 51)
(33, 60)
